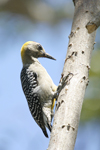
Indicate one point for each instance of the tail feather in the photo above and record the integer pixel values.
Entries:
(45, 132)
(49, 127)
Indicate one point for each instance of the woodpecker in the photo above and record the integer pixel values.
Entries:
(37, 85)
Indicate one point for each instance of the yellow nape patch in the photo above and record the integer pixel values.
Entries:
(23, 47)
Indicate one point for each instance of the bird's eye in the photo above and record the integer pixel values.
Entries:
(39, 47)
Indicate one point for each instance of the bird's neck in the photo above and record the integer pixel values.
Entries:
(29, 60)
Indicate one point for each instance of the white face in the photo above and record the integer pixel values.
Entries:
(32, 49)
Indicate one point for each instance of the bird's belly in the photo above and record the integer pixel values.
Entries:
(46, 94)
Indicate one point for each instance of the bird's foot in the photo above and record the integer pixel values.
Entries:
(62, 83)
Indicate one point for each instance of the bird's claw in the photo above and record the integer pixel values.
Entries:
(61, 85)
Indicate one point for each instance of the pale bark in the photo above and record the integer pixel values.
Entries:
(77, 62)
(94, 23)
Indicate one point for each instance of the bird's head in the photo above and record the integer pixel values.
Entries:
(31, 50)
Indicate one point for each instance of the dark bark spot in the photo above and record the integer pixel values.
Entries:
(88, 67)
(86, 11)
(75, 53)
(82, 52)
(62, 101)
(73, 128)
(84, 78)
(70, 45)
(71, 34)
(78, 28)
(68, 127)
(63, 126)
(87, 83)
(57, 105)
(69, 56)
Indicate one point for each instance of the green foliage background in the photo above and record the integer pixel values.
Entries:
(91, 105)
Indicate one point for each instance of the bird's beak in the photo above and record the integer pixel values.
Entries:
(47, 56)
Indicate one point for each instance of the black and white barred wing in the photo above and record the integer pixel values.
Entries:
(29, 83)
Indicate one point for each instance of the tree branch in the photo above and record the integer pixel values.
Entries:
(77, 62)
(93, 24)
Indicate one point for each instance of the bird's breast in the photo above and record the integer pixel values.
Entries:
(44, 80)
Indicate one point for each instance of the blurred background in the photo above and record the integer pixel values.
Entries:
(49, 23)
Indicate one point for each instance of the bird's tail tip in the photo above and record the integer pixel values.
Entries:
(45, 133)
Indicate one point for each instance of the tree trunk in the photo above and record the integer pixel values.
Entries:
(77, 62)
